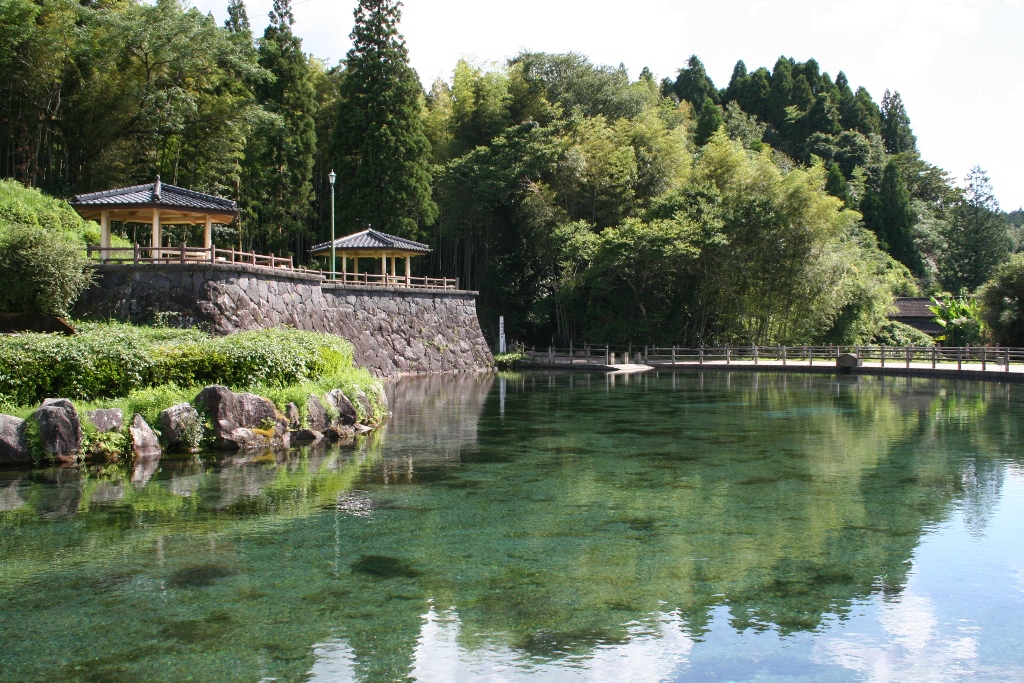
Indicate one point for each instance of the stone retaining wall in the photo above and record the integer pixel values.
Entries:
(394, 329)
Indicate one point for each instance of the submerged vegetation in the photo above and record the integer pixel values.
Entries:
(550, 532)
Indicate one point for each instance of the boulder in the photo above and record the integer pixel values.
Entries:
(60, 431)
(13, 449)
(316, 414)
(307, 435)
(291, 413)
(244, 421)
(106, 419)
(364, 403)
(337, 400)
(245, 439)
(175, 421)
(145, 444)
(337, 431)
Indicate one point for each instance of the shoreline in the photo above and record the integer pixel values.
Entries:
(967, 372)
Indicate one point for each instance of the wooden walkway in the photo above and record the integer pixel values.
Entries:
(993, 364)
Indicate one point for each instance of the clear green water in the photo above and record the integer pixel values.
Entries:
(549, 528)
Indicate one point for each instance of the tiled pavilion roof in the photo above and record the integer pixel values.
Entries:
(372, 240)
(139, 200)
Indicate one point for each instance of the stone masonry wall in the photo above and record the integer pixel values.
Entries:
(394, 330)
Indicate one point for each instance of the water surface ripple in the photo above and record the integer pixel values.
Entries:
(543, 527)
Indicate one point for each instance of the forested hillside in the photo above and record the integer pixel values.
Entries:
(788, 206)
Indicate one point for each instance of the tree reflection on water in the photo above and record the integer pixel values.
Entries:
(562, 527)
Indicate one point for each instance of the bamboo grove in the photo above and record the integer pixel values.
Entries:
(786, 207)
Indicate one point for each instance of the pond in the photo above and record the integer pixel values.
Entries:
(536, 527)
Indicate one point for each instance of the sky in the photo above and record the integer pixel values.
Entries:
(956, 63)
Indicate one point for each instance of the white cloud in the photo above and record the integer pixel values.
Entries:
(651, 654)
(1016, 98)
(916, 650)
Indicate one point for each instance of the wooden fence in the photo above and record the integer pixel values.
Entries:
(378, 280)
(184, 254)
(581, 355)
(972, 357)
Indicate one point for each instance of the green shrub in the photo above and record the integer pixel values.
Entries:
(111, 360)
(282, 356)
(34, 442)
(192, 432)
(101, 362)
(960, 318)
(507, 361)
(26, 206)
(150, 402)
(1002, 302)
(41, 271)
(894, 333)
(350, 380)
(113, 443)
(42, 258)
(189, 363)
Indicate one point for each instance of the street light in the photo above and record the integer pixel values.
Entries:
(334, 264)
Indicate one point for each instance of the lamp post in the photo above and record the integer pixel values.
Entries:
(334, 264)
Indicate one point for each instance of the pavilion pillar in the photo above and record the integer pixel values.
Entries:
(104, 235)
(356, 267)
(156, 240)
(344, 267)
(393, 275)
(208, 233)
(408, 281)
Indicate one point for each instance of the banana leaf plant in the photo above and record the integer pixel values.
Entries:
(960, 317)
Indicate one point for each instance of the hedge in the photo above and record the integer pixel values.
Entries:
(110, 360)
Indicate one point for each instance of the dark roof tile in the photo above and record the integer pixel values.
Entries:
(372, 239)
(156, 194)
(913, 307)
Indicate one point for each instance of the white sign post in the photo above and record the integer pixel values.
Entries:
(501, 334)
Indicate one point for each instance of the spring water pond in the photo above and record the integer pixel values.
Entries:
(659, 527)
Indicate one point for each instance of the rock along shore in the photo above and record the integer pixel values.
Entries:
(217, 417)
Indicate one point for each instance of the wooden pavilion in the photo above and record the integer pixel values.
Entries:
(374, 245)
(156, 204)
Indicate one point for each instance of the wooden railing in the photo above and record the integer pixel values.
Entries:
(378, 280)
(1000, 358)
(574, 355)
(186, 254)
